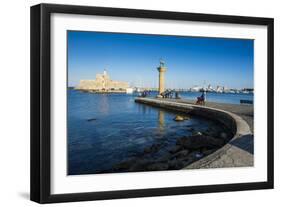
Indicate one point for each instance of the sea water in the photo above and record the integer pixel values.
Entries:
(106, 129)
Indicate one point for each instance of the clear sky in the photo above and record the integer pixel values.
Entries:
(134, 58)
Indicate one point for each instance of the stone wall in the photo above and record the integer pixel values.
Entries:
(102, 82)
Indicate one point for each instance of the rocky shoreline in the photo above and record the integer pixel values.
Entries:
(185, 151)
(239, 150)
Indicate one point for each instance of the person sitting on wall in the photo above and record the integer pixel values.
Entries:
(164, 94)
(201, 99)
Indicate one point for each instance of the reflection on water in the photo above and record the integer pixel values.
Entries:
(106, 129)
(161, 121)
(103, 104)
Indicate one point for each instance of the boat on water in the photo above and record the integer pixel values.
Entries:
(129, 90)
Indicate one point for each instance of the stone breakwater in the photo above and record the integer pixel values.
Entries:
(208, 149)
(228, 142)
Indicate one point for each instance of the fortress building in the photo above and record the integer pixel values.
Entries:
(103, 83)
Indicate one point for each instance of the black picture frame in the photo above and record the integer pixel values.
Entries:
(41, 98)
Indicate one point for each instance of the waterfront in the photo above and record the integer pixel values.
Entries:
(230, 98)
(144, 113)
(237, 152)
(105, 130)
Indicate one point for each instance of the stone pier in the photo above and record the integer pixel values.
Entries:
(239, 151)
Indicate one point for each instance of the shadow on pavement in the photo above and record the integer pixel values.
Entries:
(245, 142)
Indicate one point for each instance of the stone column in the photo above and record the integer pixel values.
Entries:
(162, 71)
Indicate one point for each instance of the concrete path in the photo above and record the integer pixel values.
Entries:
(244, 110)
(239, 152)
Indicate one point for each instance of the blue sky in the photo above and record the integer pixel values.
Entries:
(134, 58)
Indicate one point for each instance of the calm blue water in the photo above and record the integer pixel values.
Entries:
(121, 129)
(219, 97)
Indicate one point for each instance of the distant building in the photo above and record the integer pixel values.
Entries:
(219, 89)
(103, 83)
(196, 88)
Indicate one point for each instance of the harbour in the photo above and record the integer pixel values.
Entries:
(97, 131)
(138, 116)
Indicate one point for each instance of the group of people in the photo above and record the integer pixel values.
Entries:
(169, 94)
(145, 93)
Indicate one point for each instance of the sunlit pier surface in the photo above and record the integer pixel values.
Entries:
(246, 111)
(238, 152)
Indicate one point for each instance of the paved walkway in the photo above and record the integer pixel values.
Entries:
(238, 152)
(244, 110)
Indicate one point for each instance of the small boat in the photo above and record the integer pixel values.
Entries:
(129, 90)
